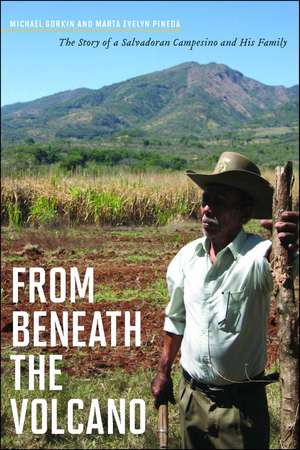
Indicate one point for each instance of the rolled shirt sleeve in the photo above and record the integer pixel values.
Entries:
(175, 310)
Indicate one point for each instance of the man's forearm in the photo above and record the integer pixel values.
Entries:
(172, 343)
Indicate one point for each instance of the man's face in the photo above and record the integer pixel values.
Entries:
(221, 212)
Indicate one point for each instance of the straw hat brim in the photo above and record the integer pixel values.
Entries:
(254, 185)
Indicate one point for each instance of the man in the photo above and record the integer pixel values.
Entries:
(219, 288)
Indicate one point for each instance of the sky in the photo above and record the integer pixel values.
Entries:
(36, 62)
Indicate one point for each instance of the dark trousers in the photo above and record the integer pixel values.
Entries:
(233, 418)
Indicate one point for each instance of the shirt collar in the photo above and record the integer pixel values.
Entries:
(235, 246)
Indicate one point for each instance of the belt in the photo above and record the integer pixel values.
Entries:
(263, 380)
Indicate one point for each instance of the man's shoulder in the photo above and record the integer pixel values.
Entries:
(189, 250)
(255, 239)
(185, 254)
(256, 244)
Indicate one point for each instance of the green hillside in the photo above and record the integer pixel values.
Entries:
(190, 98)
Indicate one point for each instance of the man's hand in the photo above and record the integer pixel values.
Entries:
(162, 389)
(287, 229)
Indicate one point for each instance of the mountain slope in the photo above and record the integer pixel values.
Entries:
(186, 98)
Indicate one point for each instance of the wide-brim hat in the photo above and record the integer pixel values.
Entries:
(237, 171)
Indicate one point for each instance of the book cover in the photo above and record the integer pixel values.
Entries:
(105, 104)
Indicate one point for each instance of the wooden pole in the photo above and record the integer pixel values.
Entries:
(163, 426)
(288, 315)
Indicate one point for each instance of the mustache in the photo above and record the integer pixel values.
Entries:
(210, 220)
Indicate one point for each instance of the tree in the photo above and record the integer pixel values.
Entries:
(288, 317)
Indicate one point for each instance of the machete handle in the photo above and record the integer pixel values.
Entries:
(163, 426)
